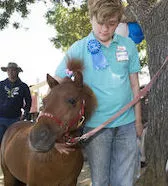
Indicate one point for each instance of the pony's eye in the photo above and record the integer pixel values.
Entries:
(72, 101)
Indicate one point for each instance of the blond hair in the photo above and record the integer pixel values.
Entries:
(103, 10)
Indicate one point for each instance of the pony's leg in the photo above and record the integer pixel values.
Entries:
(19, 183)
(73, 183)
(10, 180)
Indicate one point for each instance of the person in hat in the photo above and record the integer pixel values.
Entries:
(14, 96)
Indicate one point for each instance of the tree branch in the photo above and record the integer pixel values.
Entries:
(140, 8)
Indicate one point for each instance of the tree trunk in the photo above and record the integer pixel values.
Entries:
(155, 28)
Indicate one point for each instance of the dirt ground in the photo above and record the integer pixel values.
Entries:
(84, 178)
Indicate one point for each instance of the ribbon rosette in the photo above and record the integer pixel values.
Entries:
(98, 59)
(94, 46)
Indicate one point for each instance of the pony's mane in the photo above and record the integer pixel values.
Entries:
(75, 65)
(91, 101)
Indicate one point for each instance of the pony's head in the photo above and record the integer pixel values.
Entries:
(64, 107)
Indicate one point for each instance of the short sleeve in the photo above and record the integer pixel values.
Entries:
(134, 63)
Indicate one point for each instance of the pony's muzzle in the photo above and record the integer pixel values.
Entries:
(42, 138)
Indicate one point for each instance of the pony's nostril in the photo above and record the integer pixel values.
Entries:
(40, 134)
(42, 138)
(43, 133)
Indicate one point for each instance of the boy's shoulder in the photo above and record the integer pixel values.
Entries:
(125, 40)
(81, 42)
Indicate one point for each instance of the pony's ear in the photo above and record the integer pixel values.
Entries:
(51, 81)
(78, 79)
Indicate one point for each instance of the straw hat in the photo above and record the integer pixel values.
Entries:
(11, 65)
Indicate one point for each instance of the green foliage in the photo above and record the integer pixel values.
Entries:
(143, 53)
(71, 24)
(8, 7)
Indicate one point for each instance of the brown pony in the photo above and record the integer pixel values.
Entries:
(28, 153)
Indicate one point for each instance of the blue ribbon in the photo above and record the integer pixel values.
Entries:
(98, 59)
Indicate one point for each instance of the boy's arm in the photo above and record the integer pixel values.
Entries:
(135, 88)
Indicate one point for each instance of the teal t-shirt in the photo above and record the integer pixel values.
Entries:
(111, 85)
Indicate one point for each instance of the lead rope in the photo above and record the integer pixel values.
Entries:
(141, 94)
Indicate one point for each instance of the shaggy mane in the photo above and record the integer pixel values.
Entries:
(89, 96)
(75, 65)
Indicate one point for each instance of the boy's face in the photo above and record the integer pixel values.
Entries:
(104, 31)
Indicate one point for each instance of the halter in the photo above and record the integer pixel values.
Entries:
(80, 118)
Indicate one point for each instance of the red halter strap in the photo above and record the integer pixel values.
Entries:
(59, 122)
(51, 116)
(79, 117)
